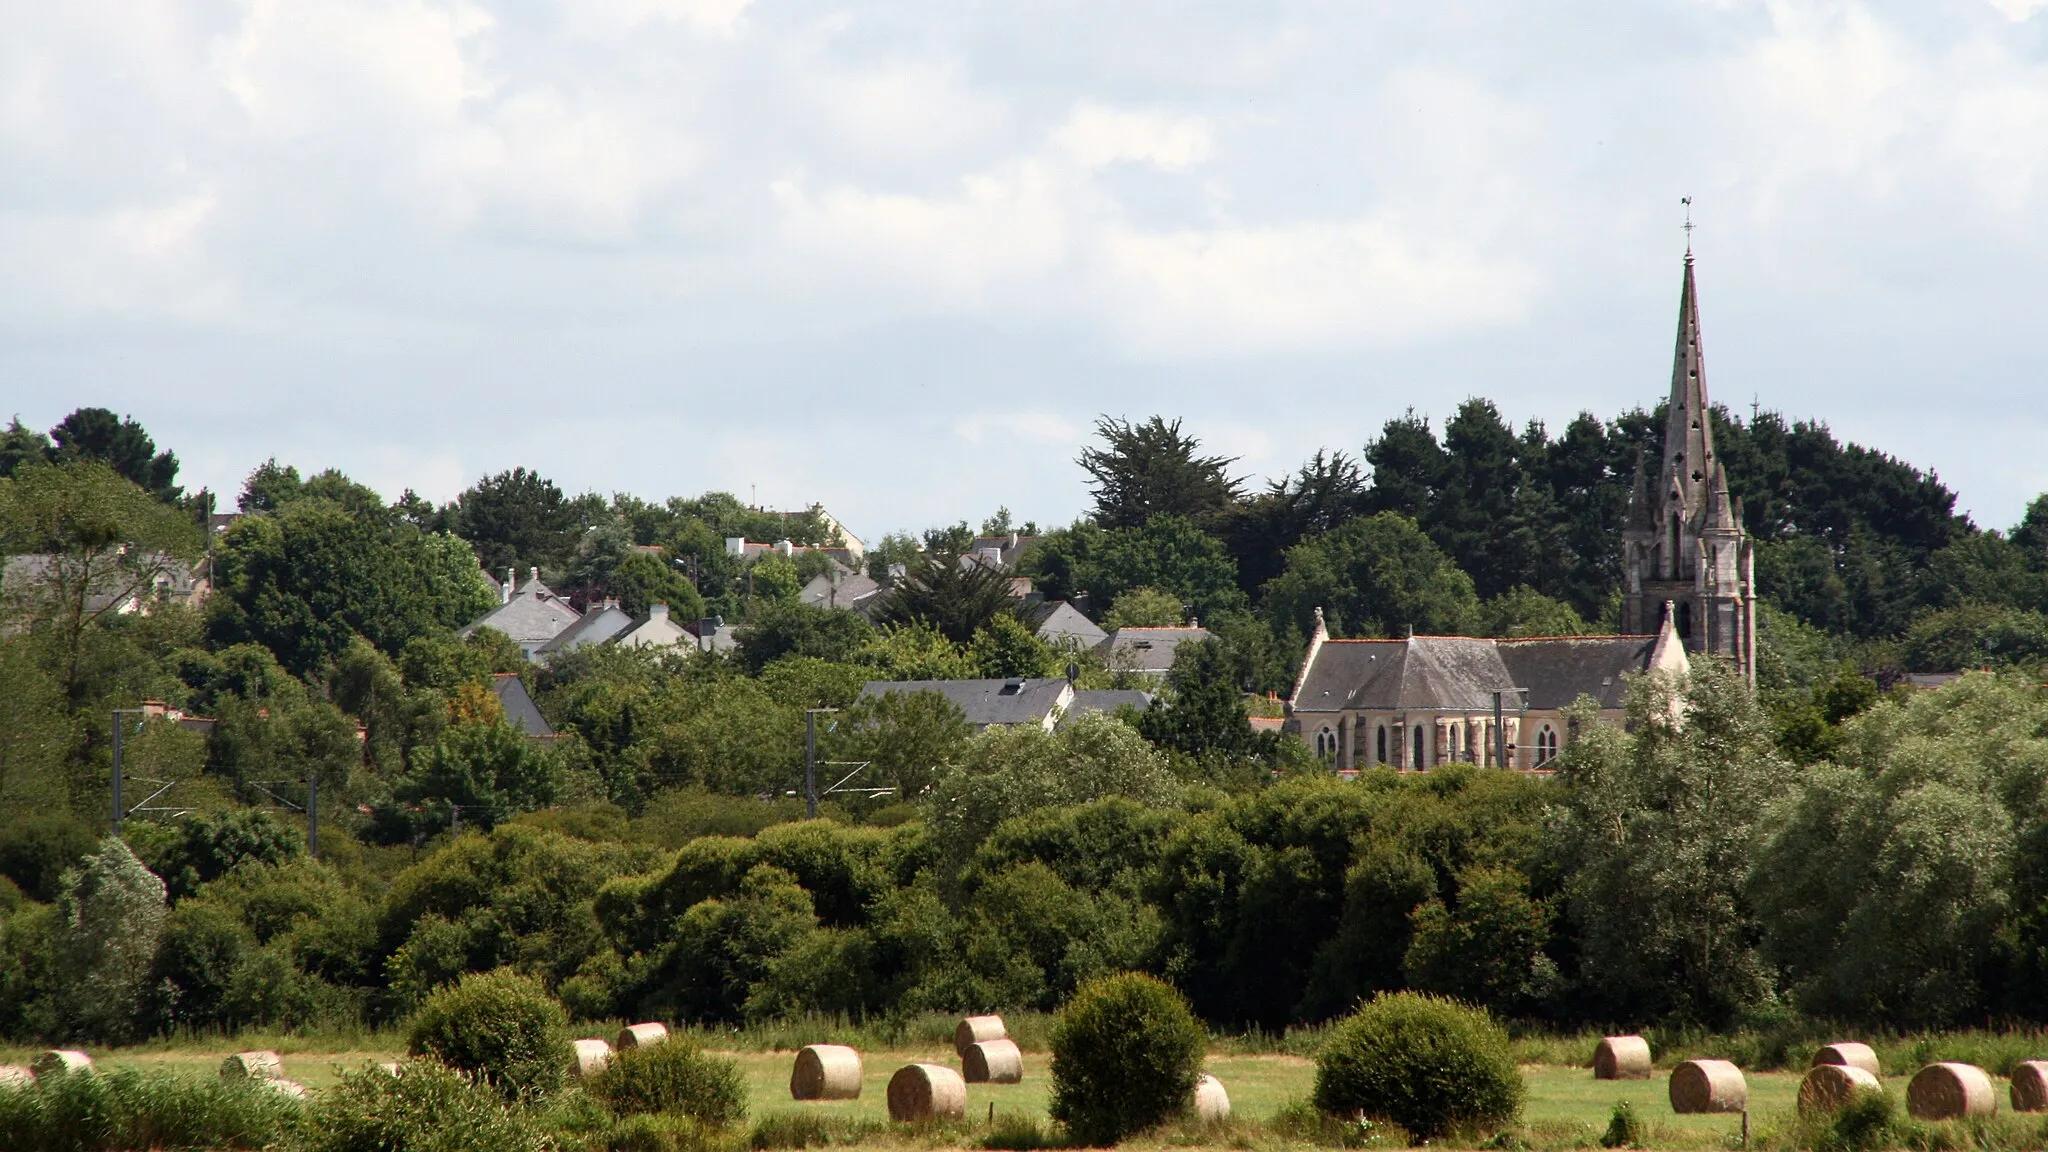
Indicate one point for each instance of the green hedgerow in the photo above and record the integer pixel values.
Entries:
(1428, 1064)
(133, 1109)
(424, 1108)
(500, 1027)
(1125, 1055)
(674, 1077)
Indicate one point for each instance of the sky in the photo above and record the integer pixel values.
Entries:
(897, 258)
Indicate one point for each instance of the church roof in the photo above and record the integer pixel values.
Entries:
(1453, 673)
(1557, 670)
(1689, 459)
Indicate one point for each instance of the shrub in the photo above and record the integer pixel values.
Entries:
(500, 1027)
(1625, 1129)
(1427, 1064)
(1125, 1055)
(130, 1109)
(674, 1077)
(110, 916)
(425, 1108)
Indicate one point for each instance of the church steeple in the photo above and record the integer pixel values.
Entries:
(1689, 460)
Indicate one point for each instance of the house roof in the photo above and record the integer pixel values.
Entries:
(1557, 670)
(856, 591)
(987, 702)
(1057, 621)
(520, 710)
(597, 626)
(1148, 649)
(724, 637)
(658, 630)
(1088, 700)
(531, 616)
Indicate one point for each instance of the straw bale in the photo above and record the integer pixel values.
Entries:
(259, 1065)
(1708, 1086)
(926, 1092)
(1211, 1101)
(2030, 1086)
(640, 1036)
(283, 1087)
(993, 1062)
(1826, 1087)
(1848, 1054)
(60, 1062)
(1622, 1058)
(975, 1029)
(825, 1072)
(1951, 1092)
(16, 1076)
(592, 1056)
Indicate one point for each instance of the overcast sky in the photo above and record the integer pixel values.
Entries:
(896, 257)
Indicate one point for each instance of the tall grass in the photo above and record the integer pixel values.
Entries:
(145, 1110)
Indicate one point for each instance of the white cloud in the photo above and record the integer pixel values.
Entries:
(1034, 427)
(1096, 136)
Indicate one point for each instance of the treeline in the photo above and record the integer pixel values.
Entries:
(1679, 871)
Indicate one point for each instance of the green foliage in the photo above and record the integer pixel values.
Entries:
(722, 947)
(518, 519)
(1145, 607)
(675, 1077)
(776, 629)
(1432, 1066)
(205, 847)
(1487, 949)
(127, 1109)
(491, 770)
(37, 847)
(110, 917)
(500, 1027)
(1658, 833)
(904, 736)
(1008, 647)
(1150, 469)
(194, 969)
(642, 579)
(1375, 576)
(1523, 611)
(1625, 1129)
(425, 1108)
(1205, 714)
(1125, 1056)
(954, 595)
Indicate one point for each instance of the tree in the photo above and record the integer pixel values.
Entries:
(956, 595)
(906, 738)
(1145, 607)
(642, 579)
(490, 770)
(1327, 490)
(1487, 947)
(1658, 831)
(1376, 576)
(790, 628)
(110, 916)
(518, 519)
(19, 445)
(1008, 647)
(1152, 469)
(1523, 611)
(102, 543)
(120, 443)
(1205, 714)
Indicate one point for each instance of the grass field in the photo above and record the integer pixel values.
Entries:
(1566, 1107)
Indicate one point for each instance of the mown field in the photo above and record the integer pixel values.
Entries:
(1566, 1108)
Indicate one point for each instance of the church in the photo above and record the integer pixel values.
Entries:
(1688, 586)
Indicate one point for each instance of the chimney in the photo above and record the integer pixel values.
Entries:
(785, 547)
(609, 602)
(510, 585)
(735, 546)
(657, 611)
(533, 575)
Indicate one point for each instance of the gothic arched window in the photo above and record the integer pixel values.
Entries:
(1326, 744)
(1417, 762)
(1546, 745)
(1382, 757)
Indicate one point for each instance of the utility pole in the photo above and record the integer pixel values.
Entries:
(811, 761)
(120, 740)
(1500, 734)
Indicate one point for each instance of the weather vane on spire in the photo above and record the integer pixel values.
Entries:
(1689, 225)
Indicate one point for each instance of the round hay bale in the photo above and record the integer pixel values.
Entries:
(993, 1062)
(16, 1076)
(2030, 1086)
(283, 1087)
(1702, 1086)
(61, 1062)
(1951, 1092)
(1622, 1058)
(591, 1057)
(1826, 1087)
(1211, 1102)
(261, 1065)
(825, 1072)
(926, 1092)
(1848, 1054)
(976, 1029)
(391, 1067)
(640, 1036)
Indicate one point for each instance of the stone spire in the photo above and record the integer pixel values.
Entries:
(1722, 515)
(1638, 523)
(1689, 460)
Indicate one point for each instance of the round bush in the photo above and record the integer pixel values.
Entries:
(425, 1108)
(1125, 1054)
(500, 1027)
(674, 1077)
(1428, 1064)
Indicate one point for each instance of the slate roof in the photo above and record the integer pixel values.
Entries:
(986, 702)
(596, 627)
(1557, 670)
(856, 591)
(1088, 700)
(1057, 622)
(520, 710)
(1147, 649)
(532, 616)
(724, 637)
(1450, 673)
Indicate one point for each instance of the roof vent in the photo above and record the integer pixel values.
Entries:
(1013, 686)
